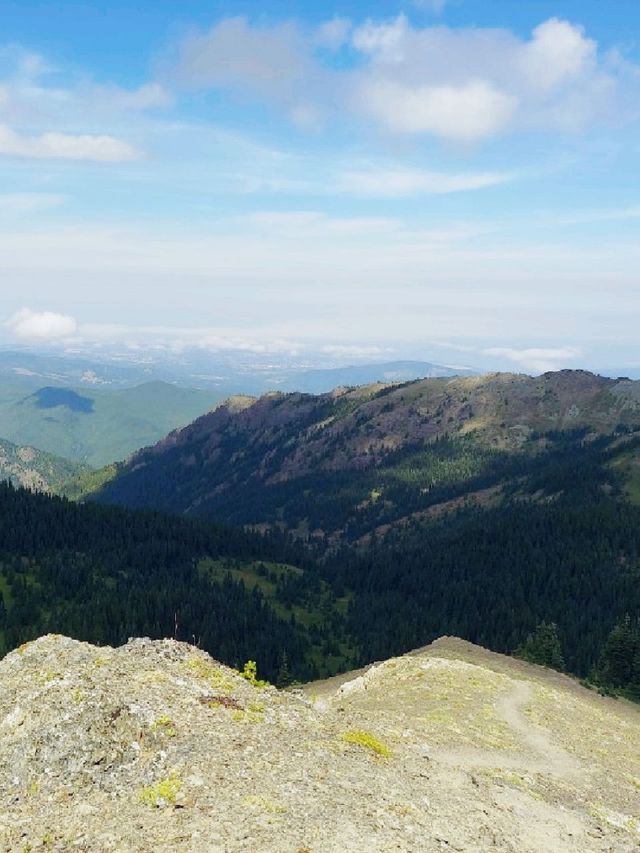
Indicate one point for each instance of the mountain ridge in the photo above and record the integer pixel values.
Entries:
(279, 438)
(480, 506)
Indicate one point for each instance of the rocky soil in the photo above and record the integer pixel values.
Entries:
(156, 747)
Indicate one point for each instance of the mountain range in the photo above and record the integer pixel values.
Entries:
(480, 506)
(393, 513)
(355, 460)
(221, 373)
(98, 412)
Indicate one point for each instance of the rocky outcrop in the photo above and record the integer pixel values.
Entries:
(156, 747)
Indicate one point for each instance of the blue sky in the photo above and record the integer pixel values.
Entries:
(454, 180)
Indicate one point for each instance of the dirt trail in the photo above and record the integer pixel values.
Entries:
(541, 754)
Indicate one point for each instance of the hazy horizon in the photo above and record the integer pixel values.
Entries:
(442, 181)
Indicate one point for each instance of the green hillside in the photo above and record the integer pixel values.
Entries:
(96, 426)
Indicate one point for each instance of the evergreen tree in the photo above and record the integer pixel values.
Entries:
(284, 677)
(543, 647)
(619, 665)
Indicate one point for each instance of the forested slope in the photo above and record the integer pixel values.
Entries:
(104, 574)
(478, 506)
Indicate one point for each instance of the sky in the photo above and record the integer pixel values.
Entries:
(447, 179)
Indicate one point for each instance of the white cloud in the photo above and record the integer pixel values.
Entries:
(400, 183)
(557, 52)
(384, 41)
(45, 119)
(386, 284)
(539, 360)
(333, 34)
(65, 146)
(269, 60)
(27, 325)
(355, 351)
(454, 83)
(584, 217)
(463, 113)
(320, 229)
(28, 93)
(311, 222)
(148, 96)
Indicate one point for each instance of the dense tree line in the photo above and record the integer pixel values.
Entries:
(104, 574)
(491, 576)
(562, 548)
(618, 668)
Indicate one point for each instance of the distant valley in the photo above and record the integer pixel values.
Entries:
(222, 374)
(95, 426)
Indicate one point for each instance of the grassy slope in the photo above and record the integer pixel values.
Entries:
(627, 464)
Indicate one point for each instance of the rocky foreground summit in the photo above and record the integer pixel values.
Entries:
(156, 747)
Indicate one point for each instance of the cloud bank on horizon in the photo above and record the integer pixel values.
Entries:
(384, 175)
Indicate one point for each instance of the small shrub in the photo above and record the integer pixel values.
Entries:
(249, 673)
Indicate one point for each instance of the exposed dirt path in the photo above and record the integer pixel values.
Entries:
(541, 755)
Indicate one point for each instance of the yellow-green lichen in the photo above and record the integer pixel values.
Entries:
(215, 677)
(262, 804)
(43, 678)
(164, 725)
(163, 793)
(358, 737)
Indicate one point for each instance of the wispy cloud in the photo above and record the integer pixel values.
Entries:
(618, 214)
(398, 183)
(29, 202)
(65, 146)
(537, 359)
(42, 118)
